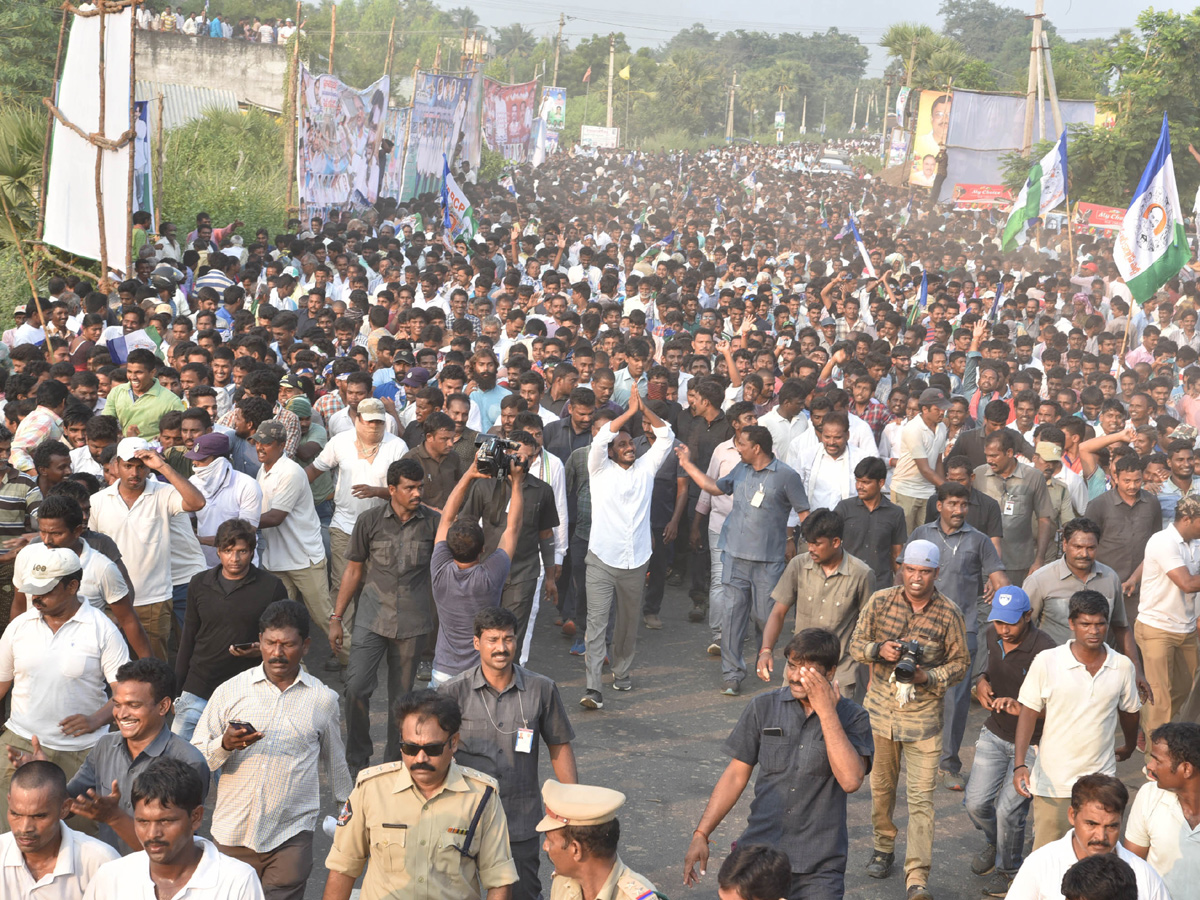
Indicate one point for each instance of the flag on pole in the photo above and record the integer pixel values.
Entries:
(1151, 246)
(994, 312)
(1044, 189)
(749, 182)
(624, 73)
(506, 182)
(458, 216)
(587, 76)
(862, 248)
(922, 300)
(143, 339)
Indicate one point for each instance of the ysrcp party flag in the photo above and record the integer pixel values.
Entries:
(458, 216)
(1151, 246)
(1044, 189)
(862, 248)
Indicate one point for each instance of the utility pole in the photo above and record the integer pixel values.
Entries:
(557, 46)
(332, 35)
(1055, 110)
(612, 52)
(854, 114)
(912, 63)
(729, 114)
(1039, 10)
(804, 116)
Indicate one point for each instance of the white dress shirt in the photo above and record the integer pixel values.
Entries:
(1040, 876)
(296, 542)
(621, 497)
(549, 468)
(218, 877)
(62, 673)
(79, 857)
(827, 481)
(783, 431)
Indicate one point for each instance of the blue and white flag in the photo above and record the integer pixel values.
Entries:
(458, 216)
(1044, 189)
(1152, 246)
(862, 248)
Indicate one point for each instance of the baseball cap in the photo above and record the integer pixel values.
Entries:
(417, 377)
(128, 448)
(922, 553)
(270, 432)
(404, 356)
(1048, 452)
(371, 410)
(1009, 604)
(39, 568)
(291, 381)
(934, 397)
(212, 444)
(578, 804)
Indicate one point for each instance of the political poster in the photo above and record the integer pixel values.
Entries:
(143, 188)
(933, 124)
(394, 126)
(508, 118)
(340, 129)
(471, 148)
(439, 114)
(897, 148)
(554, 108)
(600, 137)
(1090, 218)
(780, 119)
(982, 196)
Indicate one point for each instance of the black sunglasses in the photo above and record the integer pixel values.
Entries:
(430, 749)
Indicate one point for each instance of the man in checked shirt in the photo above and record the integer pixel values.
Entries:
(268, 730)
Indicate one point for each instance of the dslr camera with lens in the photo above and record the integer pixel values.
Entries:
(910, 658)
(495, 456)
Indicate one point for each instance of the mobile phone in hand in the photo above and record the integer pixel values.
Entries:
(241, 726)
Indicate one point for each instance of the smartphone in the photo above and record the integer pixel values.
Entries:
(772, 732)
(249, 646)
(241, 726)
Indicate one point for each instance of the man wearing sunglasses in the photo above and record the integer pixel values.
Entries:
(430, 827)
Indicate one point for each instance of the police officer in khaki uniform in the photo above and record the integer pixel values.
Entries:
(432, 829)
(582, 832)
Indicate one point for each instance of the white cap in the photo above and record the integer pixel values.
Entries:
(371, 410)
(128, 448)
(39, 568)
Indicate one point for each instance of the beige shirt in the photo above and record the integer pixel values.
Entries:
(622, 884)
(79, 856)
(412, 842)
(831, 602)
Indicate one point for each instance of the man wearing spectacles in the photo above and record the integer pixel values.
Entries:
(430, 827)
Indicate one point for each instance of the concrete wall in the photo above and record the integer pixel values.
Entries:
(254, 72)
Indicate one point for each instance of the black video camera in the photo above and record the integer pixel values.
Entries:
(495, 456)
(910, 658)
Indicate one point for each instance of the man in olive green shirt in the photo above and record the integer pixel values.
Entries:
(139, 404)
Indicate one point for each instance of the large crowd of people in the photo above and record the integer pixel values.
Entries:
(953, 472)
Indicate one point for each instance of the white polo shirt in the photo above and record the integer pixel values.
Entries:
(296, 542)
(143, 535)
(218, 877)
(61, 673)
(1163, 605)
(1040, 876)
(917, 441)
(341, 453)
(79, 856)
(1081, 715)
(1157, 822)
(102, 582)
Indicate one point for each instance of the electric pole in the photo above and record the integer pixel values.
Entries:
(1031, 92)
(729, 115)
(612, 51)
(557, 46)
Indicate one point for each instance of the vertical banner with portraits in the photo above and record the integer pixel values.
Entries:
(508, 118)
(933, 124)
(340, 129)
(394, 126)
(553, 110)
(439, 114)
(143, 180)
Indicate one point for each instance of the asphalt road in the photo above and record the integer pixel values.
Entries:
(661, 744)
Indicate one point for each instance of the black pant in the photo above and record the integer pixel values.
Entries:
(656, 583)
(362, 677)
(825, 885)
(518, 599)
(566, 605)
(525, 857)
(573, 600)
(693, 562)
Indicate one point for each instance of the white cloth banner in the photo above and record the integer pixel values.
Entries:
(71, 220)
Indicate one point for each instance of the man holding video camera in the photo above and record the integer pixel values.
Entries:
(915, 642)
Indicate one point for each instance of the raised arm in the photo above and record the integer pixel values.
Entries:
(455, 501)
(702, 480)
(516, 512)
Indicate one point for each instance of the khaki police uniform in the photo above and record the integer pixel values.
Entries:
(622, 884)
(411, 842)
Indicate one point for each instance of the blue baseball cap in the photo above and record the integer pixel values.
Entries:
(1009, 604)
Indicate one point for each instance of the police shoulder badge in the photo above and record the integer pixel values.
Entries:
(346, 814)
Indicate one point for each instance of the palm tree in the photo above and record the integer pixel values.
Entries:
(22, 134)
(907, 41)
(514, 40)
(689, 82)
(464, 17)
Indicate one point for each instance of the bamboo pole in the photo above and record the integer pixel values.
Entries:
(391, 47)
(100, 158)
(332, 36)
(289, 149)
(132, 146)
(159, 155)
(41, 223)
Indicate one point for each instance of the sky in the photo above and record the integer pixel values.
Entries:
(653, 23)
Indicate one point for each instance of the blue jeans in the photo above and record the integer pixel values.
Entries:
(179, 603)
(993, 803)
(188, 709)
(747, 588)
(958, 704)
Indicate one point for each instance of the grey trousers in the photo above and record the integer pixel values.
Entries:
(607, 586)
(362, 677)
(526, 856)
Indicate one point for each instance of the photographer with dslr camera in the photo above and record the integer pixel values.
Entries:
(915, 642)
(465, 579)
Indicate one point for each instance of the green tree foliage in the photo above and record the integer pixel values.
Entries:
(28, 43)
(230, 165)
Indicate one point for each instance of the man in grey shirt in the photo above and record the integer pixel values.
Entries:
(970, 573)
(464, 580)
(141, 701)
(507, 712)
(755, 545)
(1025, 507)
